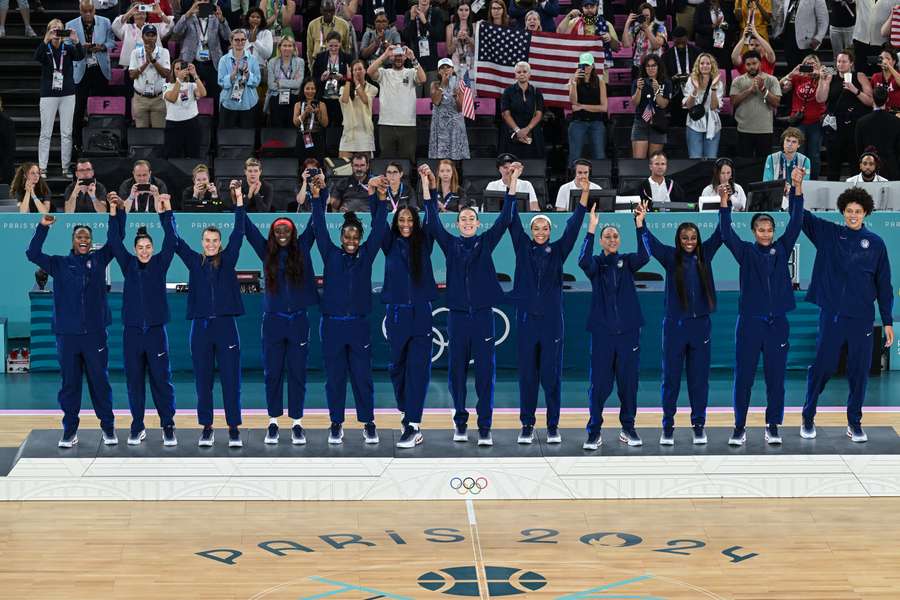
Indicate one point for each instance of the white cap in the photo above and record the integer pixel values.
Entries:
(445, 61)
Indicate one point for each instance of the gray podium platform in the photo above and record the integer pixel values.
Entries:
(440, 469)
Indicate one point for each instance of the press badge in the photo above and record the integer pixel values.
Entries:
(719, 38)
(237, 92)
(203, 51)
(424, 51)
(57, 81)
(284, 96)
(308, 140)
(91, 60)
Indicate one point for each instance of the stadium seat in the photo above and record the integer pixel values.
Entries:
(357, 21)
(230, 168)
(400, 23)
(206, 106)
(601, 173)
(442, 49)
(485, 107)
(277, 142)
(117, 77)
(619, 76)
(624, 53)
(280, 167)
(297, 25)
(726, 109)
(423, 107)
(558, 18)
(235, 143)
(106, 105)
(619, 105)
(619, 22)
(116, 52)
(145, 143)
(299, 46)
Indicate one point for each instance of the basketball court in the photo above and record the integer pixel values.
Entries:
(675, 546)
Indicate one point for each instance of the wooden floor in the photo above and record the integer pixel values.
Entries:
(816, 549)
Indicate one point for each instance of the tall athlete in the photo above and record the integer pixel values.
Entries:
(346, 307)
(472, 293)
(615, 322)
(145, 312)
(766, 296)
(80, 318)
(689, 300)
(538, 296)
(852, 270)
(214, 302)
(290, 290)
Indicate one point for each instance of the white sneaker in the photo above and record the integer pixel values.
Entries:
(136, 439)
(856, 434)
(526, 436)
(553, 436)
(773, 438)
(336, 434)
(738, 437)
(461, 433)
(808, 430)
(110, 438)
(2, 31)
(29, 32)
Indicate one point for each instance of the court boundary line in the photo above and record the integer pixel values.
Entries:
(484, 593)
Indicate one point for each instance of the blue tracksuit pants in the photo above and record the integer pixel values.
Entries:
(752, 336)
(285, 342)
(215, 342)
(540, 347)
(408, 330)
(614, 357)
(346, 348)
(79, 355)
(834, 333)
(686, 343)
(147, 351)
(472, 337)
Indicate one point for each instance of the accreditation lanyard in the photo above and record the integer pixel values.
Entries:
(687, 62)
(57, 81)
(398, 196)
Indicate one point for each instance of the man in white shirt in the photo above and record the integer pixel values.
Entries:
(868, 169)
(397, 113)
(867, 36)
(582, 173)
(149, 68)
(504, 164)
(658, 188)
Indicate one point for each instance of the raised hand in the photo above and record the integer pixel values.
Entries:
(594, 220)
(47, 220)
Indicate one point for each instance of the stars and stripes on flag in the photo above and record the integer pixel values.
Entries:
(553, 58)
(468, 103)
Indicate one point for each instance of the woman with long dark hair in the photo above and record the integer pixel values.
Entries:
(346, 306)
(690, 299)
(145, 312)
(310, 118)
(290, 289)
(214, 300)
(408, 292)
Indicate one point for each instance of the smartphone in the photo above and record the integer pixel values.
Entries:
(63, 32)
(86, 181)
(145, 7)
(848, 77)
(143, 187)
(205, 10)
(805, 69)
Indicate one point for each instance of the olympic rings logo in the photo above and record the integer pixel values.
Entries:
(442, 342)
(468, 485)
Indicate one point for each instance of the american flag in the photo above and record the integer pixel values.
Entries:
(553, 58)
(468, 105)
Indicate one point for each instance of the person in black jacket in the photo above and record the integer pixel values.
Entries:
(57, 55)
(715, 36)
(881, 129)
(679, 60)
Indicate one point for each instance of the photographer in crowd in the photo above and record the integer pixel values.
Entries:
(201, 195)
(806, 110)
(141, 191)
(85, 194)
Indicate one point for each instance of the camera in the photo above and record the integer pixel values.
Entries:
(873, 61)
(806, 69)
(205, 9)
(313, 172)
(145, 8)
(640, 19)
(63, 32)
(143, 187)
(86, 181)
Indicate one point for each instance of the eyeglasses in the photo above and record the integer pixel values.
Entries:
(242, 40)
(392, 172)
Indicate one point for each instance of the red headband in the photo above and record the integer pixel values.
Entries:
(283, 221)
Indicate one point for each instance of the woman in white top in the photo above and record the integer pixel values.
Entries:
(183, 133)
(704, 127)
(356, 106)
(259, 39)
(460, 37)
(723, 172)
(128, 28)
(285, 75)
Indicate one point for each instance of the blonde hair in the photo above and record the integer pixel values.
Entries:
(55, 24)
(713, 70)
(199, 169)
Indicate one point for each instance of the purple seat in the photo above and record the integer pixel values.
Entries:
(106, 105)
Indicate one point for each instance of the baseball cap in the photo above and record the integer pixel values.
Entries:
(587, 2)
(148, 28)
(586, 58)
(445, 61)
(506, 158)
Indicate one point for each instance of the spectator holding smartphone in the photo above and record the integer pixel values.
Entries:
(182, 123)
(85, 194)
(142, 190)
(201, 195)
(888, 76)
